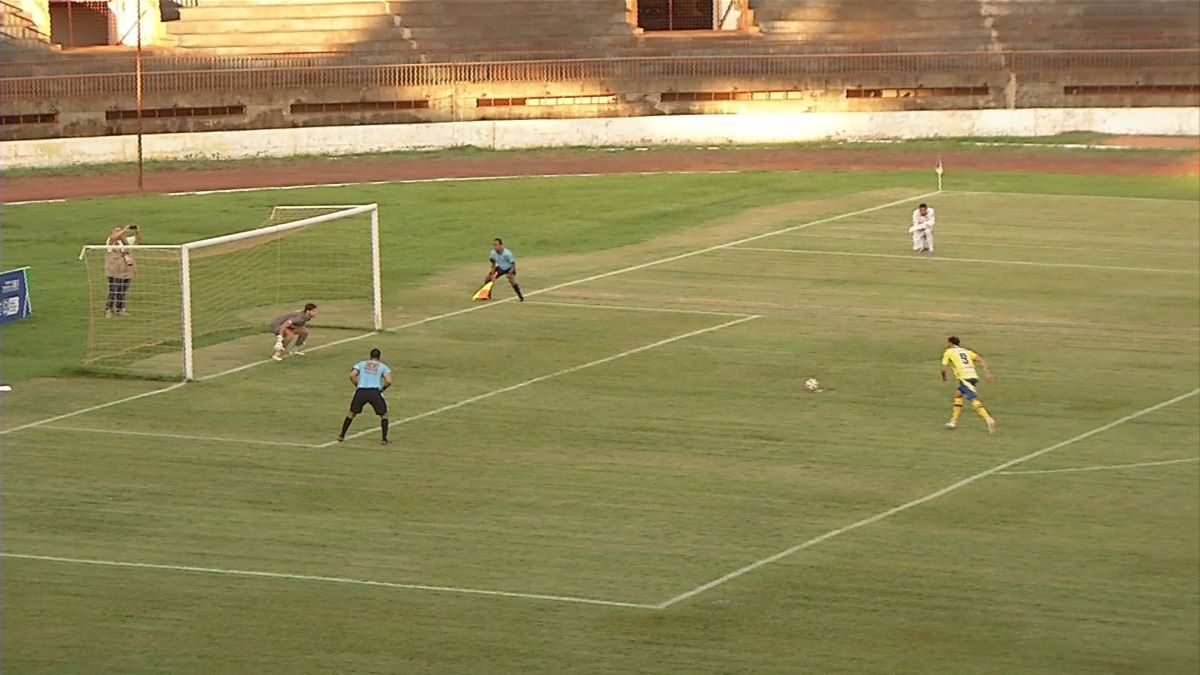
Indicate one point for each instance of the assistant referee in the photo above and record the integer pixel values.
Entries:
(370, 378)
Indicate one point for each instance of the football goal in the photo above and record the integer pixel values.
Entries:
(205, 307)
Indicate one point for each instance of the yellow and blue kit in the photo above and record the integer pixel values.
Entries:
(962, 360)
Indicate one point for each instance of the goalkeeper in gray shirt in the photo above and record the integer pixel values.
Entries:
(292, 325)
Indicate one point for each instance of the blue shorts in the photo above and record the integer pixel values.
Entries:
(969, 389)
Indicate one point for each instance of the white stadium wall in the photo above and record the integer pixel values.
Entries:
(607, 132)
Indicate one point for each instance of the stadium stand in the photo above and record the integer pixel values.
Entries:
(874, 25)
(247, 64)
(479, 28)
(19, 33)
(266, 26)
(431, 28)
(1091, 24)
(924, 26)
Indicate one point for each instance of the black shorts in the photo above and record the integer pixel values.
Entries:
(504, 273)
(364, 397)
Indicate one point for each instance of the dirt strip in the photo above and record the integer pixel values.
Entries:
(362, 169)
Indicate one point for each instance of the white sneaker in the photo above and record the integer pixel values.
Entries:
(277, 356)
(108, 313)
(952, 425)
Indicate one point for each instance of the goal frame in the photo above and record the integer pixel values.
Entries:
(185, 264)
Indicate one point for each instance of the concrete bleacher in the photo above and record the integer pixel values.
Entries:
(19, 35)
(1092, 24)
(274, 26)
(874, 25)
(431, 30)
(454, 28)
(978, 25)
(482, 27)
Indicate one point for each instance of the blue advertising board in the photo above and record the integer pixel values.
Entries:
(14, 295)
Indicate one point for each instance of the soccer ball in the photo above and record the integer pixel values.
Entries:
(811, 384)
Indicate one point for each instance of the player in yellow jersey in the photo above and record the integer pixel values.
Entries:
(966, 365)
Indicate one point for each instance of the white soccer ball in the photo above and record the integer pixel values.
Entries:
(811, 384)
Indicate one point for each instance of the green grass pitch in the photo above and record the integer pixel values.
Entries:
(586, 481)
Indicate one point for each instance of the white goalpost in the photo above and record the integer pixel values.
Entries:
(206, 306)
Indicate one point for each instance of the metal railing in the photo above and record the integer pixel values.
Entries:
(243, 74)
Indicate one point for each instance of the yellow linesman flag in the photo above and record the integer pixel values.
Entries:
(484, 293)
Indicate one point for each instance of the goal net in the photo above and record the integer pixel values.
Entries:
(205, 307)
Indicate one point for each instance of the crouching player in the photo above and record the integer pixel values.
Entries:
(371, 378)
(292, 325)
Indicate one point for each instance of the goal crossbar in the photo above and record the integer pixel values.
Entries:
(342, 212)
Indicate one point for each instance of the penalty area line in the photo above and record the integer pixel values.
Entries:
(1102, 467)
(631, 308)
(549, 376)
(982, 261)
(883, 515)
(101, 406)
(327, 580)
(179, 437)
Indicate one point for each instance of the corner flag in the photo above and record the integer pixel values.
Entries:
(938, 168)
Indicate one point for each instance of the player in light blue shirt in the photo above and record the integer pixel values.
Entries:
(370, 378)
(504, 264)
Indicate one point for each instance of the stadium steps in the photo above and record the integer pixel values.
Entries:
(883, 25)
(484, 27)
(265, 26)
(19, 33)
(1093, 24)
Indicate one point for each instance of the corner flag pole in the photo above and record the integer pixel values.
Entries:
(938, 169)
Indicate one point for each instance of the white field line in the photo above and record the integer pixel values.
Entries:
(327, 580)
(984, 261)
(548, 376)
(474, 308)
(1048, 146)
(180, 437)
(951, 193)
(1105, 467)
(630, 308)
(101, 406)
(946, 240)
(882, 515)
(405, 181)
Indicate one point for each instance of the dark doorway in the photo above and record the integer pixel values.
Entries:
(81, 24)
(657, 15)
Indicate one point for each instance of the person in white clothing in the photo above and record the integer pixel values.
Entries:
(922, 230)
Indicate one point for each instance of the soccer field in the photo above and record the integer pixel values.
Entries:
(624, 474)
